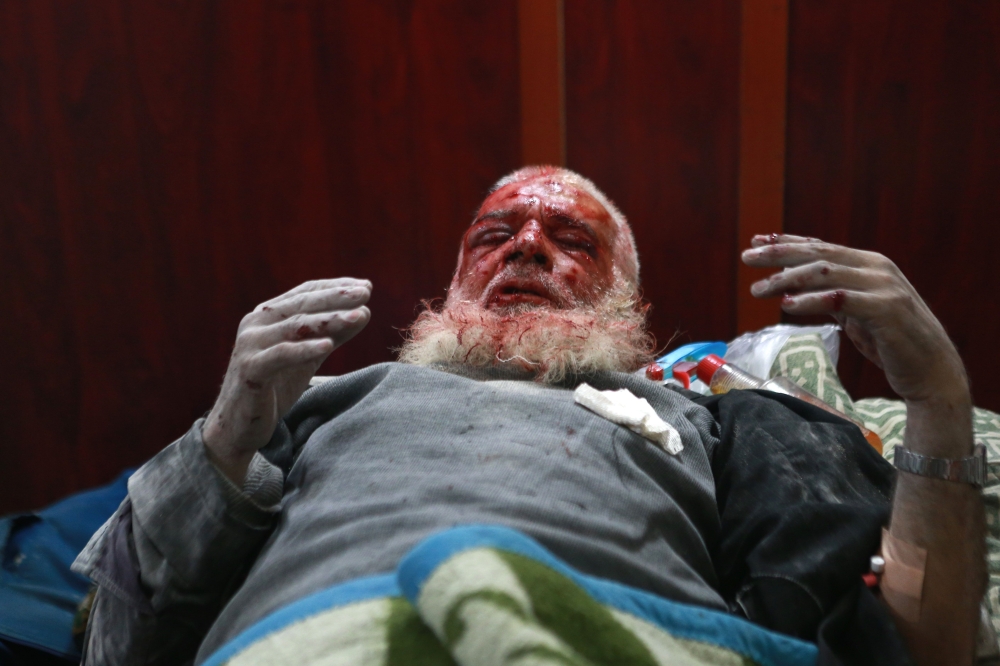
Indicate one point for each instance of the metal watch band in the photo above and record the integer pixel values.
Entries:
(970, 470)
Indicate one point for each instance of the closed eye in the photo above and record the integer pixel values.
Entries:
(491, 235)
(577, 241)
(572, 233)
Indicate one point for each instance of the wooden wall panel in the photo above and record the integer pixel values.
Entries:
(166, 166)
(543, 80)
(894, 146)
(652, 108)
(763, 79)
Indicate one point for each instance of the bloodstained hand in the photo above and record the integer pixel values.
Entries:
(891, 325)
(279, 346)
(878, 308)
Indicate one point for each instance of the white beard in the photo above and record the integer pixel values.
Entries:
(553, 343)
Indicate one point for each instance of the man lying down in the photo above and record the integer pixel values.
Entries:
(771, 510)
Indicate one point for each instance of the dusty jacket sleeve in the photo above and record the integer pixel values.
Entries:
(173, 553)
(802, 499)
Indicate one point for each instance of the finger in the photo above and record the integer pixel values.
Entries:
(265, 364)
(796, 254)
(317, 285)
(364, 316)
(338, 326)
(761, 240)
(324, 300)
(818, 275)
(859, 304)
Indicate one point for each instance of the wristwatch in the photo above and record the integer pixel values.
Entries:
(971, 470)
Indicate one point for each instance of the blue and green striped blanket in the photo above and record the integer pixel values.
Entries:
(485, 595)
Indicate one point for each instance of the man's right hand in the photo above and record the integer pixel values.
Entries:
(279, 346)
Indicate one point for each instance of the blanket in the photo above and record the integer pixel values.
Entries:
(486, 595)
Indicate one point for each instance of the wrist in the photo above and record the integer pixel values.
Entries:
(944, 387)
(942, 379)
(229, 460)
(940, 425)
(951, 400)
(234, 467)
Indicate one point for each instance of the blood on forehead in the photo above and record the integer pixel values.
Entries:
(552, 194)
(556, 202)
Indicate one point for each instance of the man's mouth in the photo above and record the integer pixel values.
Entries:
(518, 293)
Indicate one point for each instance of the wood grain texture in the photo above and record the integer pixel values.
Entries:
(166, 166)
(543, 81)
(894, 146)
(763, 76)
(652, 112)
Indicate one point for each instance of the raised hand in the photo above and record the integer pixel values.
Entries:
(279, 346)
(891, 325)
(879, 309)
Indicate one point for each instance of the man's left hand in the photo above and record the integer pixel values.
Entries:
(878, 308)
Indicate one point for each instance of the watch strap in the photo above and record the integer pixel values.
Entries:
(971, 470)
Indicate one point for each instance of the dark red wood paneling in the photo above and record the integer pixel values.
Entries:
(763, 79)
(652, 97)
(894, 146)
(166, 166)
(543, 81)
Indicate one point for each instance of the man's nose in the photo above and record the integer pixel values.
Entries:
(529, 245)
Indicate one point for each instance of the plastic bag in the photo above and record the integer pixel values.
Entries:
(755, 351)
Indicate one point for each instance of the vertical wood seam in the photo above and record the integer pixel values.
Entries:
(543, 81)
(763, 107)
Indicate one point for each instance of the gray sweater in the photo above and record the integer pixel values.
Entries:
(379, 459)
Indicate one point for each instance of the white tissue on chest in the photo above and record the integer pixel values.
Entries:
(635, 413)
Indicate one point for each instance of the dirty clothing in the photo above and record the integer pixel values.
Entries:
(369, 464)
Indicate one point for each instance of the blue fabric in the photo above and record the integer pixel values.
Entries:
(682, 620)
(351, 592)
(38, 593)
(692, 352)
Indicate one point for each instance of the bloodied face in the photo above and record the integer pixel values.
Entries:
(541, 241)
(547, 280)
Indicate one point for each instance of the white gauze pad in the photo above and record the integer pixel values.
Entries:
(625, 408)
